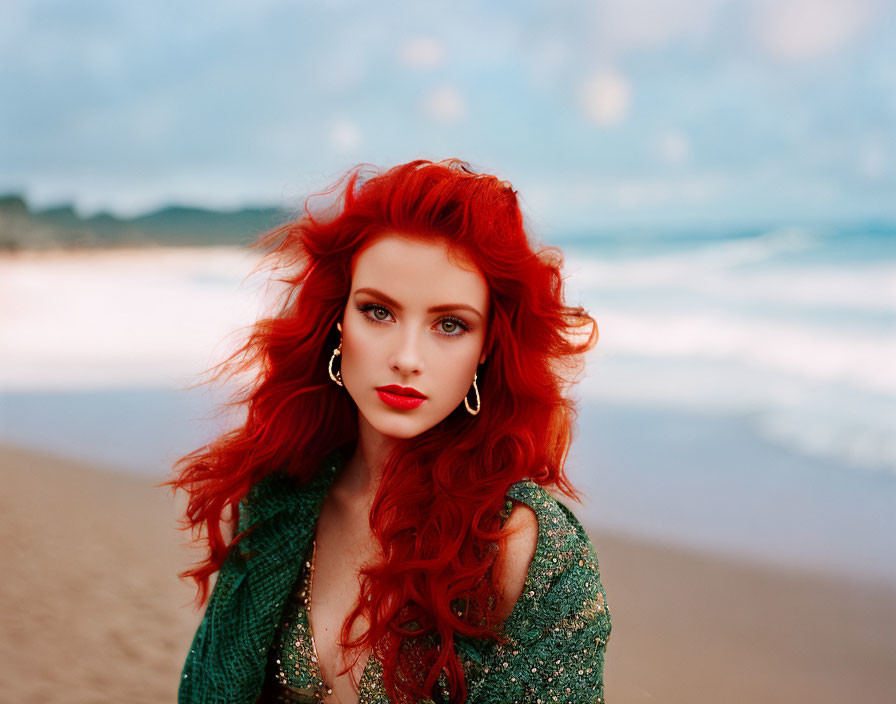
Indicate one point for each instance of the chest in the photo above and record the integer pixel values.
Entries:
(342, 546)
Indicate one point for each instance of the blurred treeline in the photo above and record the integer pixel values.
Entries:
(23, 228)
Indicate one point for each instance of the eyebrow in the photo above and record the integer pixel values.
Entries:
(435, 309)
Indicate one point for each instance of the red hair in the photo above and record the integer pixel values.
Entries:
(436, 512)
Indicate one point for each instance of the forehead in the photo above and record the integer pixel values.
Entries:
(406, 266)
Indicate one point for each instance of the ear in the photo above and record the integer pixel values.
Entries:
(339, 325)
(482, 357)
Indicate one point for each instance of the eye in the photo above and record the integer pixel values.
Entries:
(374, 312)
(453, 327)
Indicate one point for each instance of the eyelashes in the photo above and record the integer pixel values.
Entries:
(367, 308)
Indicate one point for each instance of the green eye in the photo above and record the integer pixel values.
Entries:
(453, 327)
(374, 313)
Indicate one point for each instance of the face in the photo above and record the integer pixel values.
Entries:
(414, 321)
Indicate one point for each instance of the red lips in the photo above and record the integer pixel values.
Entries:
(402, 398)
(401, 391)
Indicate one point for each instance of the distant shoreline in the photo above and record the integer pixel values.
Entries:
(23, 228)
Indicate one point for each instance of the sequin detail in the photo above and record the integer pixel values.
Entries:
(293, 667)
(559, 627)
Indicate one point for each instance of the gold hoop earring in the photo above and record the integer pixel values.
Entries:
(337, 377)
(478, 400)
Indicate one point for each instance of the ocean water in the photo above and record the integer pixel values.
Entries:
(792, 330)
(741, 398)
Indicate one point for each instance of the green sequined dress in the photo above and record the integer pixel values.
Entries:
(255, 617)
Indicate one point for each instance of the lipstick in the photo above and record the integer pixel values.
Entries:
(401, 397)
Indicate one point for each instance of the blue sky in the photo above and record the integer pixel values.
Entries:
(600, 113)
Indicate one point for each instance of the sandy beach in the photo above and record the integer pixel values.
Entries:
(93, 610)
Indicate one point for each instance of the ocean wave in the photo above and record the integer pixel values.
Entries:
(830, 420)
(809, 351)
(866, 287)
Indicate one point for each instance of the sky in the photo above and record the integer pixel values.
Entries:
(601, 114)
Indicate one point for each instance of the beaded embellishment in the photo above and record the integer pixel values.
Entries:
(293, 656)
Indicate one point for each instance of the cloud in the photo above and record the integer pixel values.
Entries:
(445, 104)
(614, 195)
(549, 61)
(873, 158)
(422, 53)
(637, 193)
(632, 24)
(674, 147)
(804, 29)
(344, 135)
(605, 97)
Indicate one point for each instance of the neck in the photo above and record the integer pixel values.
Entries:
(363, 472)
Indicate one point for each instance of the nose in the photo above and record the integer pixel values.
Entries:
(407, 356)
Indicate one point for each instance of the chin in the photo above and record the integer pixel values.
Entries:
(401, 431)
(401, 428)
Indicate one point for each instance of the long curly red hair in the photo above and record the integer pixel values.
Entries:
(436, 512)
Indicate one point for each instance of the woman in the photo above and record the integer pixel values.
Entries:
(407, 414)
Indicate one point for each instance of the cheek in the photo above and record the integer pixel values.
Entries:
(456, 374)
(353, 354)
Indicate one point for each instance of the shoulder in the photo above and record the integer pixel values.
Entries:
(563, 575)
(279, 493)
(273, 494)
(557, 632)
(516, 553)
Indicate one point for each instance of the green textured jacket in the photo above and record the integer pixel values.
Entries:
(558, 628)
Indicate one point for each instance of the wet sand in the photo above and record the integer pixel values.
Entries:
(93, 610)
